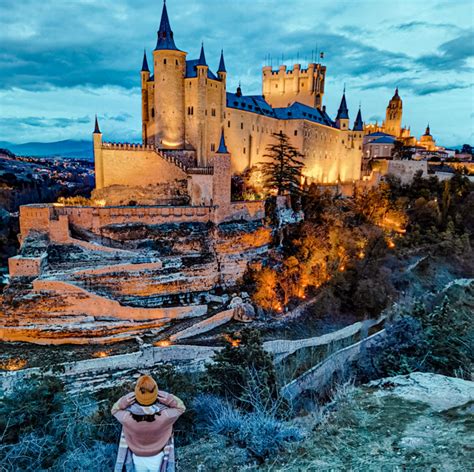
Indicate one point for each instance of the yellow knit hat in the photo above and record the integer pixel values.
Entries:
(146, 390)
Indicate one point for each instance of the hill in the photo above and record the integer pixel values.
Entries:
(66, 148)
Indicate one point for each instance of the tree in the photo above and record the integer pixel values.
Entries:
(233, 368)
(265, 294)
(283, 172)
(400, 151)
(466, 149)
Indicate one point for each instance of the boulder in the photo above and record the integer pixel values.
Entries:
(439, 392)
(244, 312)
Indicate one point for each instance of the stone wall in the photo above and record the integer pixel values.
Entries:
(135, 165)
(19, 266)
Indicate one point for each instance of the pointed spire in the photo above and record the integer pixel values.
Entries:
(222, 146)
(343, 112)
(396, 96)
(221, 63)
(96, 128)
(358, 123)
(239, 90)
(165, 34)
(428, 132)
(202, 57)
(145, 67)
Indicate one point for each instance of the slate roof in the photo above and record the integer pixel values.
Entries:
(379, 133)
(343, 112)
(191, 70)
(383, 140)
(358, 123)
(165, 34)
(222, 146)
(221, 67)
(296, 111)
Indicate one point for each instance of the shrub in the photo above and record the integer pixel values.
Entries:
(401, 351)
(259, 432)
(232, 367)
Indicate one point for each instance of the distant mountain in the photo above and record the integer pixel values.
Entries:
(67, 148)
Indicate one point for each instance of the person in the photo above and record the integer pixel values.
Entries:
(147, 416)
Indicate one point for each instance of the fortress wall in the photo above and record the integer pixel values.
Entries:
(247, 210)
(19, 266)
(137, 165)
(34, 218)
(200, 188)
(327, 157)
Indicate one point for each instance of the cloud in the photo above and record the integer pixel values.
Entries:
(418, 88)
(451, 55)
(411, 25)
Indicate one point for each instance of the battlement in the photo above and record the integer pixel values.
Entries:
(128, 146)
(283, 69)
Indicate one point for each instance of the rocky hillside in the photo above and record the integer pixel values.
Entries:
(416, 422)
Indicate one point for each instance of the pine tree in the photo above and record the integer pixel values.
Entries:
(283, 172)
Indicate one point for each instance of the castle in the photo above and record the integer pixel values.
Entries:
(192, 127)
(393, 126)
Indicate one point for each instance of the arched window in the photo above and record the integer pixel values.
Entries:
(164, 61)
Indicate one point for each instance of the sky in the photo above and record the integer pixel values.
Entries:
(63, 61)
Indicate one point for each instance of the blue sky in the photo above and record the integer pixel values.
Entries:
(62, 61)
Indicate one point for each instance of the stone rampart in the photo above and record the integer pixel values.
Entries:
(19, 266)
(248, 211)
(193, 358)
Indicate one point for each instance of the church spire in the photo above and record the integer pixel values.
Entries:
(343, 112)
(165, 34)
(202, 57)
(221, 63)
(222, 146)
(96, 128)
(358, 123)
(145, 67)
(428, 131)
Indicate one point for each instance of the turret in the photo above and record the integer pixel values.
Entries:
(169, 71)
(98, 163)
(342, 118)
(221, 70)
(221, 181)
(145, 77)
(358, 123)
(201, 64)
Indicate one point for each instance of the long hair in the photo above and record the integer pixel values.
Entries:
(147, 418)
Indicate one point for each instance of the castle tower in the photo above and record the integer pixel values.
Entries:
(98, 162)
(202, 74)
(169, 71)
(342, 118)
(145, 77)
(283, 87)
(393, 116)
(221, 181)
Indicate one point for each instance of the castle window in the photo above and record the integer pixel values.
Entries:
(276, 85)
(213, 112)
(244, 150)
(242, 127)
(153, 113)
(228, 124)
(213, 147)
(176, 61)
(164, 61)
(205, 112)
(296, 132)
